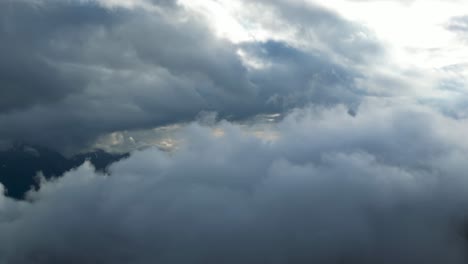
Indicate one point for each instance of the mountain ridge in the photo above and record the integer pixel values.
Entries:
(20, 164)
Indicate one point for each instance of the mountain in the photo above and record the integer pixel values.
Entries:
(20, 164)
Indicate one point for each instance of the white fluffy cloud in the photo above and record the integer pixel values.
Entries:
(385, 186)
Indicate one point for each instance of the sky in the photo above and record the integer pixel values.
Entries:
(116, 67)
(259, 131)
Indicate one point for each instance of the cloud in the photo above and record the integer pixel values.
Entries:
(385, 186)
(76, 70)
(31, 34)
(342, 171)
(319, 29)
(458, 24)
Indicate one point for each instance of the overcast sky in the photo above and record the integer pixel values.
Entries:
(264, 131)
(75, 73)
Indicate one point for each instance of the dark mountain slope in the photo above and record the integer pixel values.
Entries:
(20, 165)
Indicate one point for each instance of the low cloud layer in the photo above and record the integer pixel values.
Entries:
(386, 186)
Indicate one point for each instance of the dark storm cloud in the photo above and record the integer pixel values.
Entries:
(163, 72)
(296, 78)
(385, 186)
(31, 33)
(74, 70)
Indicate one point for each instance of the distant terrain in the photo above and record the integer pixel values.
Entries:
(20, 165)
